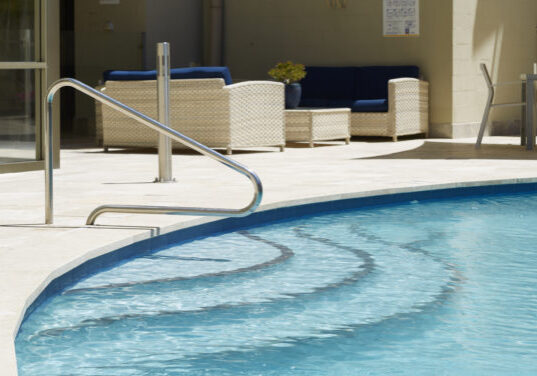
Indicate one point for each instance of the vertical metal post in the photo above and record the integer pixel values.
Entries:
(488, 106)
(523, 116)
(48, 138)
(163, 101)
(27, 45)
(530, 136)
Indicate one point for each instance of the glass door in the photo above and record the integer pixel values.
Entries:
(22, 74)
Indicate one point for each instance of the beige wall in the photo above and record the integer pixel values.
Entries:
(137, 26)
(260, 33)
(98, 49)
(178, 22)
(455, 37)
(501, 34)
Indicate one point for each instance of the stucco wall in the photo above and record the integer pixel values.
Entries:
(501, 34)
(178, 22)
(260, 33)
(98, 48)
(137, 26)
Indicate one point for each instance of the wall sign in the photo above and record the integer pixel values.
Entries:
(109, 2)
(401, 18)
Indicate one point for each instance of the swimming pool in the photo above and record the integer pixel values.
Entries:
(418, 288)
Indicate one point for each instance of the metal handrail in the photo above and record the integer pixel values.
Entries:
(489, 105)
(153, 124)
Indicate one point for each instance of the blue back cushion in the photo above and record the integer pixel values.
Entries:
(328, 103)
(340, 103)
(372, 82)
(176, 73)
(121, 75)
(313, 102)
(202, 72)
(331, 83)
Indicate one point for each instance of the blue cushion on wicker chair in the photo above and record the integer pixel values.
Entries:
(372, 82)
(332, 83)
(175, 73)
(370, 105)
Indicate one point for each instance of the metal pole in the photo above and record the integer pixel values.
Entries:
(48, 138)
(27, 43)
(523, 116)
(155, 125)
(163, 101)
(488, 106)
(530, 136)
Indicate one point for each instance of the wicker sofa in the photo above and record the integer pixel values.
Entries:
(232, 116)
(386, 101)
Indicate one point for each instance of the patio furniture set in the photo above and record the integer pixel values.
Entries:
(337, 103)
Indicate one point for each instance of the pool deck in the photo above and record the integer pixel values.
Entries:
(32, 254)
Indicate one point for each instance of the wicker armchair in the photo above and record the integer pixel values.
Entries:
(247, 114)
(408, 111)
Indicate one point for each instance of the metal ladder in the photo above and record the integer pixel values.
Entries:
(153, 124)
(491, 105)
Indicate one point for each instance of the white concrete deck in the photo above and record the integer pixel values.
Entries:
(32, 254)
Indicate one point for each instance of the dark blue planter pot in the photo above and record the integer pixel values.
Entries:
(292, 95)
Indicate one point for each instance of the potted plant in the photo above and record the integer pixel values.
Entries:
(289, 73)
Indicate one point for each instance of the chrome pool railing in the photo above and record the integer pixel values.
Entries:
(489, 104)
(153, 124)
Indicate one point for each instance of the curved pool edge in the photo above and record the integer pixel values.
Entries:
(103, 257)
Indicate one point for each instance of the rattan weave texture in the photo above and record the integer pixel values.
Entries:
(408, 111)
(247, 114)
(317, 124)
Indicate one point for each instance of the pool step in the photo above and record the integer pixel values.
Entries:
(276, 306)
(208, 257)
(303, 266)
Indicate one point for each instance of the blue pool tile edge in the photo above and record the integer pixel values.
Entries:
(109, 259)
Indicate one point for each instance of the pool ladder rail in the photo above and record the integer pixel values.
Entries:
(153, 124)
(489, 105)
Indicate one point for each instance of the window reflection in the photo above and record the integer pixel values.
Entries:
(17, 115)
(17, 30)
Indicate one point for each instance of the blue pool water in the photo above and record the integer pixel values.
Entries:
(433, 288)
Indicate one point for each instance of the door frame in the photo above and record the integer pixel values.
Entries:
(39, 66)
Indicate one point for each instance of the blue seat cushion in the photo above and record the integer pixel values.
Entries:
(175, 73)
(328, 83)
(372, 82)
(370, 105)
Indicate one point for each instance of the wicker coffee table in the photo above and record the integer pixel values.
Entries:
(316, 124)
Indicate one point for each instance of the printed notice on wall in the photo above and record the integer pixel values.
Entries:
(401, 18)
